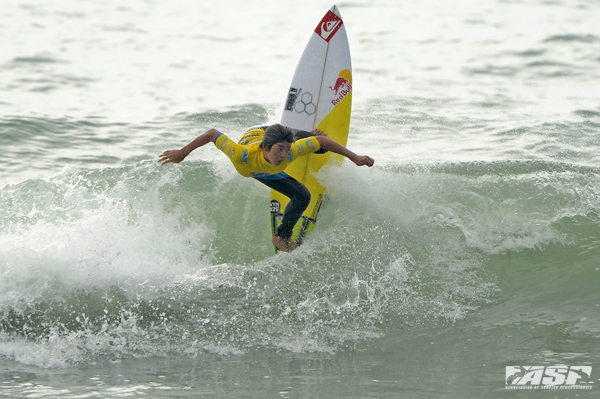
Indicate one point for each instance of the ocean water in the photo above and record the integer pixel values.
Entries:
(471, 246)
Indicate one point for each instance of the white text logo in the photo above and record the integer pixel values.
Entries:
(548, 377)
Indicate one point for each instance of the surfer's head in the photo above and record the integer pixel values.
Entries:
(276, 134)
(277, 141)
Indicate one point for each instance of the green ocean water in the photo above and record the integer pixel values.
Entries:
(473, 245)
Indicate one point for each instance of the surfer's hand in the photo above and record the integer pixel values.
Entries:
(172, 156)
(361, 160)
(319, 132)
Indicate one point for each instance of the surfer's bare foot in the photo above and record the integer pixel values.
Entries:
(284, 244)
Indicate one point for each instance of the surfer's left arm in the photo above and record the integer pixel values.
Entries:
(303, 134)
(331, 145)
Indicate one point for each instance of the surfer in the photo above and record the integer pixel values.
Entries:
(263, 153)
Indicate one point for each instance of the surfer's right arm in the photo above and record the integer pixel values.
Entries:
(176, 156)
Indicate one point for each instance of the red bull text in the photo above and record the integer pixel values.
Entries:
(341, 89)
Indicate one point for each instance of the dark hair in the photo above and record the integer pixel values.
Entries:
(276, 134)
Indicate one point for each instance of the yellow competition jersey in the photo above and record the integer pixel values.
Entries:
(247, 155)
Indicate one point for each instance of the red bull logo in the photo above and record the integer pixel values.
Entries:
(339, 83)
(342, 86)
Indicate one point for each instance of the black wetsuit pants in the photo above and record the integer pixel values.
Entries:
(299, 199)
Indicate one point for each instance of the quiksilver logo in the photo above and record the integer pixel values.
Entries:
(328, 26)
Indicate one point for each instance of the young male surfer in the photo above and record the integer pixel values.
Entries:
(263, 153)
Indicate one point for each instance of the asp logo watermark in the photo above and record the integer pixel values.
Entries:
(549, 377)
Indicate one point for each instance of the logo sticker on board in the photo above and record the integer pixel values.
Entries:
(328, 26)
(275, 206)
(293, 94)
(342, 86)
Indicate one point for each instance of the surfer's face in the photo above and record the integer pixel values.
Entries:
(278, 152)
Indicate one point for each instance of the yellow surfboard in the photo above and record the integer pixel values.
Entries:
(320, 96)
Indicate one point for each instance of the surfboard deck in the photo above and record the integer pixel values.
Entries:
(320, 96)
